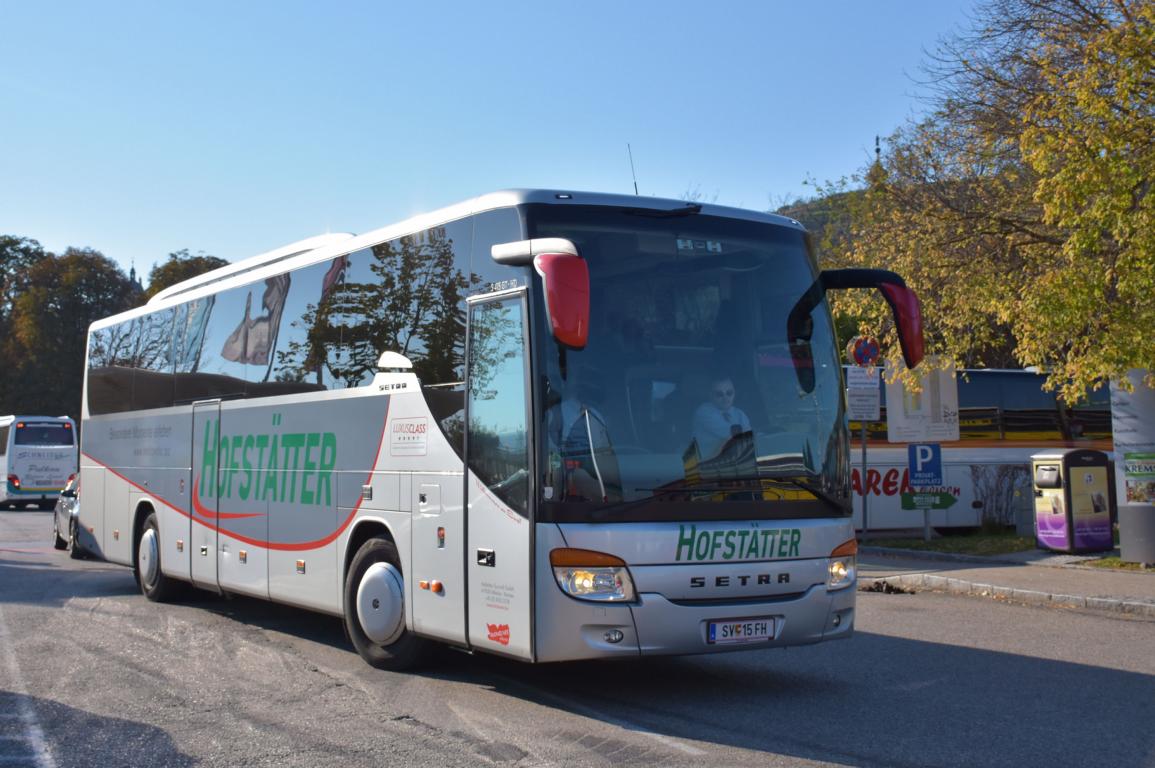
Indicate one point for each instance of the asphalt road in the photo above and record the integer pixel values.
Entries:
(92, 674)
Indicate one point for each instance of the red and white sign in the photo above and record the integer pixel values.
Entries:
(498, 633)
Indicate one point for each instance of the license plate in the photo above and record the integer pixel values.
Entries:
(740, 631)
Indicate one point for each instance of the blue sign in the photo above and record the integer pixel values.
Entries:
(925, 464)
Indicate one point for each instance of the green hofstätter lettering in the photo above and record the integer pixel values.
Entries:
(290, 468)
(751, 543)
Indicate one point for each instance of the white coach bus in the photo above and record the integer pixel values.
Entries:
(37, 458)
(490, 426)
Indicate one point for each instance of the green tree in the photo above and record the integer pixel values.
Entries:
(1020, 207)
(180, 266)
(62, 295)
(17, 256)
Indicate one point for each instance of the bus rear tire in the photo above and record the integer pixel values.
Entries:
(153, 583)
(375, 609)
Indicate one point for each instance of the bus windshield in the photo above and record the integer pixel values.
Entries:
(687, 402)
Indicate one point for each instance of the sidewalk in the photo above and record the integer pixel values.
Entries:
(1036, 578)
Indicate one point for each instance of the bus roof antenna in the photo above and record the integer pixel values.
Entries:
(632, 171)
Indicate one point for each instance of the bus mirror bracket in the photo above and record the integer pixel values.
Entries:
(566, 278)
(904, 305)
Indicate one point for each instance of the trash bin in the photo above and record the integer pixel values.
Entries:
(1073, 500)
(1137, 533)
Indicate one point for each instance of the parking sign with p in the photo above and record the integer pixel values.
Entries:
(925, 464)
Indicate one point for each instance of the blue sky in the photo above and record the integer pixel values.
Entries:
(140, 128)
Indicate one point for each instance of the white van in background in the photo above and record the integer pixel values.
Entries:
(37, 457)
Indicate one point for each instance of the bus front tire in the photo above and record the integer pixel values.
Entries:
(153, 583)
(375, 609)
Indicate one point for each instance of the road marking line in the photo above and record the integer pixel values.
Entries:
(32, 732)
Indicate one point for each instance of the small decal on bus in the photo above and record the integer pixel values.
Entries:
(499, 633)
(408, 437)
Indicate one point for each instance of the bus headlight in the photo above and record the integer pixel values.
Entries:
(590, 575)
(842, 569)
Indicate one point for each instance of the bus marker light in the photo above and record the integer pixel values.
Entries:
(180, 545)
(423, 584)
(437, 587)
(14, 481)
(116, 534)
(300, 566)
(243, 556)
(441, 538)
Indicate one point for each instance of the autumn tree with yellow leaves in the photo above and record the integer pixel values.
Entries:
(1020, 208)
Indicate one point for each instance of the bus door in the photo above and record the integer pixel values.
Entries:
(203, 501)
(498, 475)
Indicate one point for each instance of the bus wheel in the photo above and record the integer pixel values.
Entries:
(153, 583)
(375, 608)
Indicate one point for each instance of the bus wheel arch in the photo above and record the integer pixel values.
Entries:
(367, 529)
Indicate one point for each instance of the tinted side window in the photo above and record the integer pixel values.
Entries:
(305, 333)
(222, 367)
(490, 228)
(152, 381)
(4, 440)
(110, 368)
(407, 295)
(189, 327)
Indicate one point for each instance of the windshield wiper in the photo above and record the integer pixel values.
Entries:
(810, 488)
(756, 485)
(657, 213)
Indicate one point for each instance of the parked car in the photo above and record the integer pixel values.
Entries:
(65, 516)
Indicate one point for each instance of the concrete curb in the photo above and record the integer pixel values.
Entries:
(1026, 596)
(942, 557)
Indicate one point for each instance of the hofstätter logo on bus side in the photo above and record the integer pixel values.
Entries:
(285, 467)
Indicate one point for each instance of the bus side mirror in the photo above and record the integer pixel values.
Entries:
(566, 279)
(567, 296)
(903, 303)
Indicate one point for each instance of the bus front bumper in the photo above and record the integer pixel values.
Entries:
(655, 626)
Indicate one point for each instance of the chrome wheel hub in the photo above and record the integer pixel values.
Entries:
(147, 558)
(381, 603)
